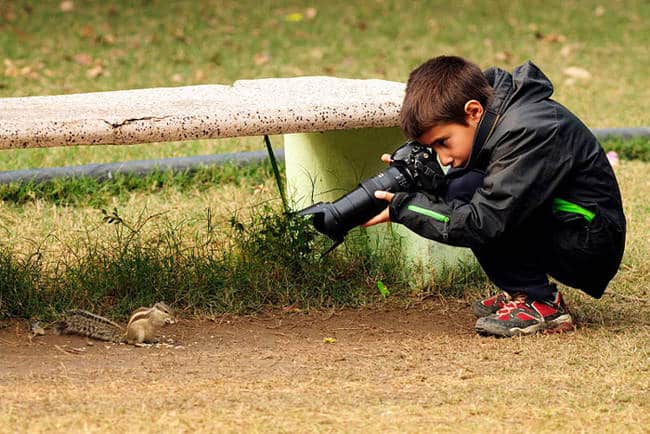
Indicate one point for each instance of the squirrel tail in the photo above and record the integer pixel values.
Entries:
(84, 323)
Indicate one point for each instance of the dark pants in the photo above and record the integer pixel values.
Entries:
(578, 253)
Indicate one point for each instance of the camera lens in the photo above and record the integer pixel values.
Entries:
(358, 206)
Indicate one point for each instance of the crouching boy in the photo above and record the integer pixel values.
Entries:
(529, 190)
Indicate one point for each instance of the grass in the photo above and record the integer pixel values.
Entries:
(84, 191)
(381, 376)
(93, 192)
(630, 149)
(215, 241)
(265, 258)
(100, 46)
(149, 43)
(268, 259)
(229, 248)
(79, 155)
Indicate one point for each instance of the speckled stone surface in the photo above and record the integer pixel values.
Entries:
(247, 108)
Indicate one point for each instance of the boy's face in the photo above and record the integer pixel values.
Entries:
(452, 142)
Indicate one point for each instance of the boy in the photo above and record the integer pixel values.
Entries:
(529, 190)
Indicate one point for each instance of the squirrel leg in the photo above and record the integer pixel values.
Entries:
(136, 335)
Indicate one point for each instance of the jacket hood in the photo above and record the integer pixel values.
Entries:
(526, 82)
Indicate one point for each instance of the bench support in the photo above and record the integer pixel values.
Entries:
(323, 166)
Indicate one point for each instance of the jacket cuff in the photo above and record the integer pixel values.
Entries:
(399, 201)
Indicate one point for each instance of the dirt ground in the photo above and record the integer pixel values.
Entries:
(386, 368)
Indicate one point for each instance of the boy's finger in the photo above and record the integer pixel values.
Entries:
(386, 158)
(385, 195)
(382, 217)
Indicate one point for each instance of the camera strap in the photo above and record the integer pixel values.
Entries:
(484, 130)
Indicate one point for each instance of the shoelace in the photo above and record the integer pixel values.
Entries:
(516, 300)
(501, 297)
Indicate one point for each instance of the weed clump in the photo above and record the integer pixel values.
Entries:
(19, 278)
(269, 259)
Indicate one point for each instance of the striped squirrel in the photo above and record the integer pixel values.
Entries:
(142, 327)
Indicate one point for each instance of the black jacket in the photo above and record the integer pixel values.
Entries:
(538, 151)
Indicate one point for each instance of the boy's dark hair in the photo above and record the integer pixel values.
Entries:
(436, 93)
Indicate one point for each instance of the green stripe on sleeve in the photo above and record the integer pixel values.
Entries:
(428, 213)
(566, 206)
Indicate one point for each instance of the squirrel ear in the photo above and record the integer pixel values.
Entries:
(162, 306)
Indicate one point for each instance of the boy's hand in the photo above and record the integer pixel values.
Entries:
(383, 216)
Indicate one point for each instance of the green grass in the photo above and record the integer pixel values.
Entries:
(215, 241)
(85, 191)
(630, 149)
(79, 155)
(242, 257)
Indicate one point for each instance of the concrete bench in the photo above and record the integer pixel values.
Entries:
(334, 129)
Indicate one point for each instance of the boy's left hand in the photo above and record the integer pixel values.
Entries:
(383, 216)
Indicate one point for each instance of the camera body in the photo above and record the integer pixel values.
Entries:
(413, 167)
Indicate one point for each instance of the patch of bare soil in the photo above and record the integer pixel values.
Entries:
(384, 368)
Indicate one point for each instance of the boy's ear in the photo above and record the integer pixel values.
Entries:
(473, 112)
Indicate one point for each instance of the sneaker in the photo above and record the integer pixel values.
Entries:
(525, 316)
(490, 305)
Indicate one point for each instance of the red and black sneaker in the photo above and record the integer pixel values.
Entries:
(490, 305)
(525, 316)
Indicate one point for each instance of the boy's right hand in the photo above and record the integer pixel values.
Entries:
(383, 216)
(384, 195)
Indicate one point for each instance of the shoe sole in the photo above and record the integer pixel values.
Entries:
(561, 324)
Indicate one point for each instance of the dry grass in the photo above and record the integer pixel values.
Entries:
(57, 228)
(416, 370)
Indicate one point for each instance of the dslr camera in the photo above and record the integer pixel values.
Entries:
(413, 167)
